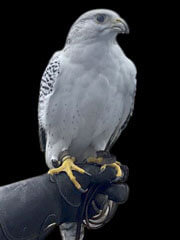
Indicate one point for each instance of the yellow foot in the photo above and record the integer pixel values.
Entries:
(95, 160)
(68, 166)
(115, 165)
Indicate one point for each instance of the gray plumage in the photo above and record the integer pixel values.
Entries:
(87, 91)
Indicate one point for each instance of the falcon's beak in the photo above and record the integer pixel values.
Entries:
(120, 25)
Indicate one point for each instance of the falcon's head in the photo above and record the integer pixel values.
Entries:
(97, 24)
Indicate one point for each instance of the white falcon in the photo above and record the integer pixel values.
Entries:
(86, 94)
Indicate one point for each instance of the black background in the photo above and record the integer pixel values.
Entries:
(31, 33)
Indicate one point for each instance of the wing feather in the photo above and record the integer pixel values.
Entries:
(48, 80)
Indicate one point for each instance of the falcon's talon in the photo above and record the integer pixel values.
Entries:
(89, 174)
(117, 179)
(68, 166)
(83, 190)
(103, 168)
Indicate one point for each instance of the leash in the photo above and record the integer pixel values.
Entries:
(87, 200)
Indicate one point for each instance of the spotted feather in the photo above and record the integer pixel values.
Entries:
(49, 77)
(46, 88)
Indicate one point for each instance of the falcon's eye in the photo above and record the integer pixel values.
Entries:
(100, 18)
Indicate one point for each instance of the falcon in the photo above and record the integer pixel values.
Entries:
(86, 95)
